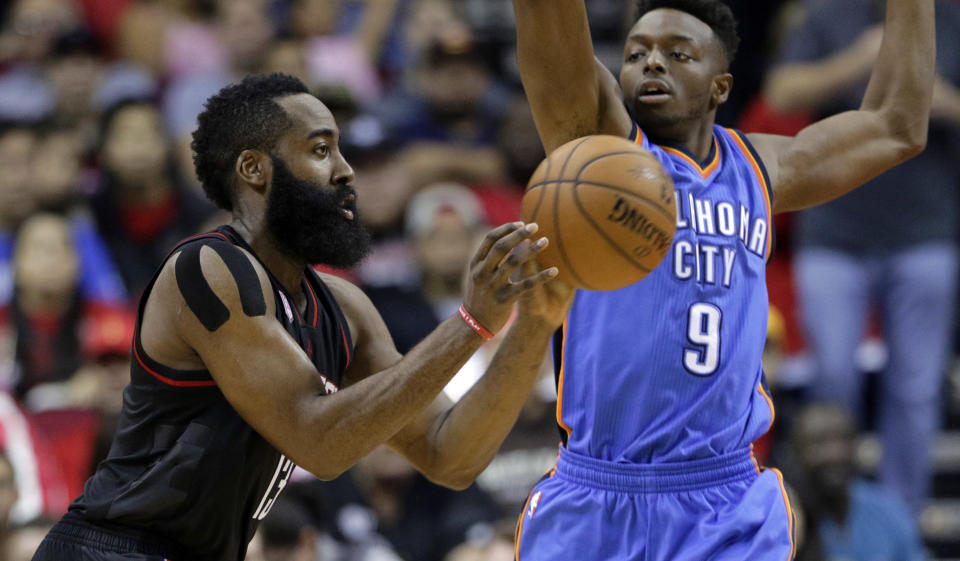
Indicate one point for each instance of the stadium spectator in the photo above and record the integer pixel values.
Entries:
(41, 490)
(142, 207)
(46, 308)
(287, 533)
(442, 223)
(242, 30)
(383, 497)
(340, 55)
(847, 517)
(8, 497)
(887, 243)
(453, 97)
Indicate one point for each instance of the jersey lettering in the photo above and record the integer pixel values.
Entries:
(277, 484)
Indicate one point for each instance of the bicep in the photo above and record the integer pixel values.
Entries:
(828, 158)
(568, 90)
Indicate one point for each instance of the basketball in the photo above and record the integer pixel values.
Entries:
(608, 208)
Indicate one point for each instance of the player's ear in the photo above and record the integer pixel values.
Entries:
(720, 92)
(254, 168)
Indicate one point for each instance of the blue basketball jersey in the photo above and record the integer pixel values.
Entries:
(668, 369)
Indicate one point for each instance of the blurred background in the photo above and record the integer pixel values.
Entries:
(97, 102)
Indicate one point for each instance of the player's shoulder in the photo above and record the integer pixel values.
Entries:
(353, 302)
(213, 277)
(350, 297)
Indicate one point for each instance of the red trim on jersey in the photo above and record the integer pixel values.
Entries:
(170, 381)
(346, 346)
(313, 296)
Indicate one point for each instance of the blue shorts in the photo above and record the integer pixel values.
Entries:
(718, 509)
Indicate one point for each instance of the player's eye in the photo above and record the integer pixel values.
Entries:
(322, 150)
(634, 56)
(682, 57)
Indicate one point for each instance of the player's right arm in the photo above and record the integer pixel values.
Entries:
(570, 92)
(271, 382)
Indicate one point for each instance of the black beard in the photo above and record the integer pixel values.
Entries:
(307, 222)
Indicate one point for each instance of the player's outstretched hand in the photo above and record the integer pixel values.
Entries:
(489, 292)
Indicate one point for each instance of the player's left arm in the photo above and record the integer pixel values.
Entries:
(451, 443)
(833, 156)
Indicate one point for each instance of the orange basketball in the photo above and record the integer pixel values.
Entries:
(608, 208)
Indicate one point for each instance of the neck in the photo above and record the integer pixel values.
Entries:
(286, 268)
(836, 506)
(152, 190)
(437, 287)
(696, 138)
(39, 302)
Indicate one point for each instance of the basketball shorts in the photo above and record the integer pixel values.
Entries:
(718, 509)
(75, 539)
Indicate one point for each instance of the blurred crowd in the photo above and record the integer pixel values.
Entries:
(98, 99)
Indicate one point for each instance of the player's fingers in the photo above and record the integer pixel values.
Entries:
(514, 289)
(491, 238)
(523, 254)
(502, 247)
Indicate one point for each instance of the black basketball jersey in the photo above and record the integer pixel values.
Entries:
(184, 466)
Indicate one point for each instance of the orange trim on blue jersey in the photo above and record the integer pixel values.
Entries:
(773, 412)
(763, 186)
(637, 135)
(526, 504)
(756, 463)
(703, 171)
(563, 363)
(519, 531)
(786, 503)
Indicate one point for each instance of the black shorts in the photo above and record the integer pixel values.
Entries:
(75, 539)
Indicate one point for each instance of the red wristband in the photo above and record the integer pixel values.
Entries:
(473, 323)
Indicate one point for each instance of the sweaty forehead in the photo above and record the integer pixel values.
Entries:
(667, 22)
(307, 114)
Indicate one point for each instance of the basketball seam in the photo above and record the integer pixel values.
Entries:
(613, 244)
(556, 219)
(598, 158)
(594, 225)
(650, 202)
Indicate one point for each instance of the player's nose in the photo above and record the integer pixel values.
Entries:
(654, 62)
(342, 172)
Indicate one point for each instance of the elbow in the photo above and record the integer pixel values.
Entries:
(456, 477)
(915, 143)
(911, 137)
(326, 472)
(458, 481)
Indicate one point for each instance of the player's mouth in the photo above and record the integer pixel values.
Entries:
(348, 205)
(654, 92)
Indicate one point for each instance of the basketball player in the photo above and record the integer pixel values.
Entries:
(246, 362)
(660, 386)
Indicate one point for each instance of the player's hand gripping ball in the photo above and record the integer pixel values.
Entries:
(608, 208)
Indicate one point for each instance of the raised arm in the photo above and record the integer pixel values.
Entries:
(571, 93)
(272, 384)
(833, 156)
